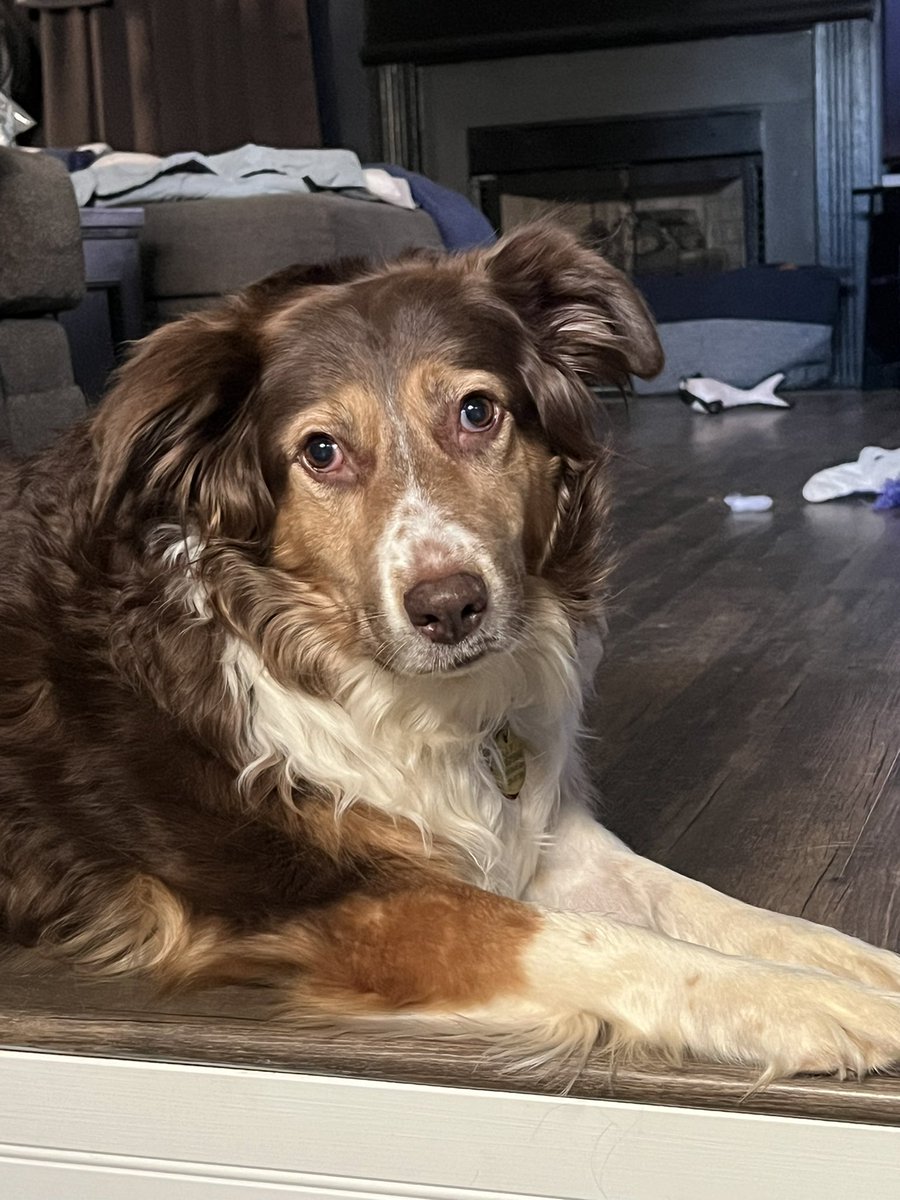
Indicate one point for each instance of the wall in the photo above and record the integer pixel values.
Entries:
(343, 84)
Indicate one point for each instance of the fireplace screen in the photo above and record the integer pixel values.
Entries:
(653, 196)
(702, 230)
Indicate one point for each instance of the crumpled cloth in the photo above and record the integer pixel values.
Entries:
(386, 188)
(121, 177)
(871, 471)
(13, 120)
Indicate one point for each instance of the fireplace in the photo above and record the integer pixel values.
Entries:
(657, 195)
(789, 94)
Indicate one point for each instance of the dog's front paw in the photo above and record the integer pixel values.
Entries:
(851, 958)
(801, 943)
(845, 1029)
(793, 1021)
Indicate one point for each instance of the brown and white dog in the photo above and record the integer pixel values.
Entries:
(293, 642)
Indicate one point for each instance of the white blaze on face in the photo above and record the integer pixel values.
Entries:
(420, 541)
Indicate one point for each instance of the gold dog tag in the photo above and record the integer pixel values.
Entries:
(506, 757)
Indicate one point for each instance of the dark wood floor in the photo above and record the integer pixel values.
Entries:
(749, 707)
(748, 722)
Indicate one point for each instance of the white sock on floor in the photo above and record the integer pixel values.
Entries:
(871, 471)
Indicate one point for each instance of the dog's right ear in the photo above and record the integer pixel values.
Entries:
(586, 324)
(174, 437)
(172, 440)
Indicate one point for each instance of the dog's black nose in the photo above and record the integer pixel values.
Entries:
(447, 610)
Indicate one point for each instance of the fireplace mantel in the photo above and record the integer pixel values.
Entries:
(397, 31)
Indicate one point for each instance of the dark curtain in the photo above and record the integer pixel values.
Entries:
(167, 75)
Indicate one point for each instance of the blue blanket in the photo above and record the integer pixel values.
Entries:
(459, 222)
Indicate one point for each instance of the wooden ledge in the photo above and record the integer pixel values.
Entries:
(56, 1012)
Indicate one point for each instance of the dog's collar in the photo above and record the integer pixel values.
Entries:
(505, 755)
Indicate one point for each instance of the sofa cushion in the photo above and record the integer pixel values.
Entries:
(37, 396)
(210, 247)
(42, 264)
(34, 355)
(30, 423)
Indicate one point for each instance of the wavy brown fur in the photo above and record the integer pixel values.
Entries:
(124, 838)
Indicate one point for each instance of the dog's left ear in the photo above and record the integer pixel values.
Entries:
(585, 316)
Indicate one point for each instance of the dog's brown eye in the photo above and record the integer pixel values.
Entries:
(477, 413)
(322, 453)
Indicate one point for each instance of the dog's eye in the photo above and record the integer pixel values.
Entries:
(477, 413)
(322, 453)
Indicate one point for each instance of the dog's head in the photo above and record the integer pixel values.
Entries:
(403, 448)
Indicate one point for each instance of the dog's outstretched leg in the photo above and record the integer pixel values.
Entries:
(589, 869)
(460, 957)
(455, 958)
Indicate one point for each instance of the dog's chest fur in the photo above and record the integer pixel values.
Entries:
(414, 747)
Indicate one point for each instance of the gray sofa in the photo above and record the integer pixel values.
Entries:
(194, 251)
(41, 275)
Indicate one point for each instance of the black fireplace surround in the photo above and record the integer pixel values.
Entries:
(628, 160)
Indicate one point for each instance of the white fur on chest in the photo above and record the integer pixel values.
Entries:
(413, 746)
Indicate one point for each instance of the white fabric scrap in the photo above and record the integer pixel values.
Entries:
(390, 188)
(738, 503)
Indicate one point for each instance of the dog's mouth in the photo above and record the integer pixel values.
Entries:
(409, 653)
(460, 658)
(415, 659)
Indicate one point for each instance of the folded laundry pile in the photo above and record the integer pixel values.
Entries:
(121, 177)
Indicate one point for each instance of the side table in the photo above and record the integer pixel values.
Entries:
(112, 311)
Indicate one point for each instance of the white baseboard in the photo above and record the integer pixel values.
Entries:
(75, 1128)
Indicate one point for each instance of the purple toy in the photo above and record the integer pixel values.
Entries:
(890, 496)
